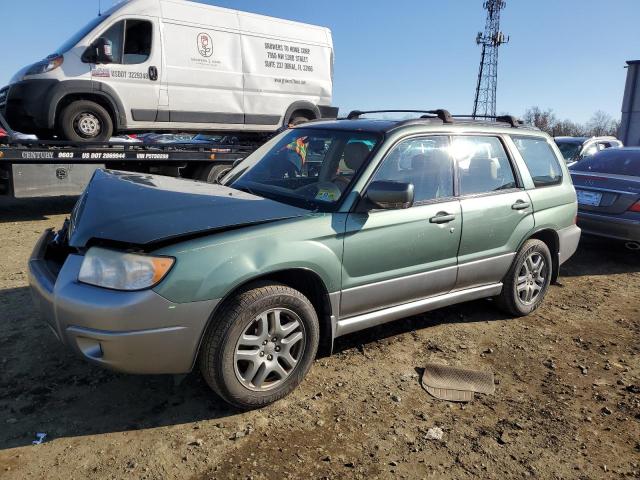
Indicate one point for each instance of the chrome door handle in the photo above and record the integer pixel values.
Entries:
(153, 74)
(520, 205)
(442, 217)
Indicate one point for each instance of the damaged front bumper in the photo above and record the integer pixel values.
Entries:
(133, 332)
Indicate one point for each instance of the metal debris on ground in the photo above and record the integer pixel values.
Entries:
(456, 384)
(435, 433)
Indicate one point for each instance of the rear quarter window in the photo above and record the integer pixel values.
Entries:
(540, 159)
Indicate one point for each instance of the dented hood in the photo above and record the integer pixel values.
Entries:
(140, 209)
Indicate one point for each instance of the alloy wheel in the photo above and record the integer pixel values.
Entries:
(269, 349)
(532, 278)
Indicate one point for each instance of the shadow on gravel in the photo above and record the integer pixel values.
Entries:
(45, 388)
(470, 312)
(30, 209)
(601, 256)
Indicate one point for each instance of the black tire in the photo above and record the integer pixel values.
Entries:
(71, 122)
(510, 300)
(213, 173)
(217, 355)
(298, 119)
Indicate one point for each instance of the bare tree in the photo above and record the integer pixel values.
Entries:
(543, 119)
(601, 123)
(567, 128)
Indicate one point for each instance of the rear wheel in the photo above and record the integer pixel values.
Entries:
(213, 173)
(260, 346)
(299, 118)
(528, 279)
(86, 121)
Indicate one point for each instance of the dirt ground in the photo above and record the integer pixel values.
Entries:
(567, 401)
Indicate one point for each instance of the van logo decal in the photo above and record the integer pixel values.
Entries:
(205, 44)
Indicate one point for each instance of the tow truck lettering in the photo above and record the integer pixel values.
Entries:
(37, 155)
(103, 156)
(152, 156)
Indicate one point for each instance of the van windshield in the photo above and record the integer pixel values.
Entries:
(86, 30)
(307, 167)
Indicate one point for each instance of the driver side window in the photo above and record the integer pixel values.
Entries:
(130, 41)
(114, 35)
(425, 162)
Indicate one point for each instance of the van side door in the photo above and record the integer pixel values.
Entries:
(135, 71)
(392, 257)
(497, 212)
(204, 66)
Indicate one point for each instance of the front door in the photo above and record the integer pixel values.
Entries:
(393, 257)
(497, 212)
(135, 75)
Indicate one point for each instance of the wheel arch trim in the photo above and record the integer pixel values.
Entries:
(91, 89)
(550, 237)
(301, 105)
(326, 317)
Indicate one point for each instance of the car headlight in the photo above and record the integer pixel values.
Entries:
(46, 65)
(123, 271)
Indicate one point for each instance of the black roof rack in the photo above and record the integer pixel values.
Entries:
(515, 122)
(442, 114)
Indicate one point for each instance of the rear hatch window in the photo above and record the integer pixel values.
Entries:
(617, 162)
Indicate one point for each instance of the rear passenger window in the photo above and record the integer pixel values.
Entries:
(425, 162)
(483, 165)
(540, 160)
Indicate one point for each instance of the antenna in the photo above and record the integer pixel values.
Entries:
(485, 102)
(99, 8)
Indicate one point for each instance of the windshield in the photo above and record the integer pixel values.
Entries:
(569, 150)
(617, 162)
(305, 167)
(86, 30)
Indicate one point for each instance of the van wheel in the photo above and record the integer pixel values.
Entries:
(527, 281)
(298, 119)
(260, 346)
(213, 173)
(85, 121)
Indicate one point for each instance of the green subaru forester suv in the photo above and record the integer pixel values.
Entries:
(327, 229)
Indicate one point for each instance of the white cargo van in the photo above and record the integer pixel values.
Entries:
(175, 65)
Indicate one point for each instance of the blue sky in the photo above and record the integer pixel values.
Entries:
(568, 55)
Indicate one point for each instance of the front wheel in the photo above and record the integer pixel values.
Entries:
(261, 345)
(86, 121)
(528, 279)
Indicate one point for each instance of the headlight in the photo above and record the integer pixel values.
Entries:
(123, 271)
(45, 65)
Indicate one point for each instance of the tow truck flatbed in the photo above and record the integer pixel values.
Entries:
(35, 168)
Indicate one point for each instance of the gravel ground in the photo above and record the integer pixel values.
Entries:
(567, 401)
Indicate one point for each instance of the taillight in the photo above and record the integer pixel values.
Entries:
(635, 207)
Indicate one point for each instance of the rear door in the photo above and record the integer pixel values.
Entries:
(393, 257)
(284, 63)
(135, 74)
(496, 210)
